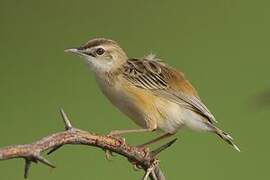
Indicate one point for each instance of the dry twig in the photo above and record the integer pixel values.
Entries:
(140, 157)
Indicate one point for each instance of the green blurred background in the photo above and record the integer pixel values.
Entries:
(221, 45)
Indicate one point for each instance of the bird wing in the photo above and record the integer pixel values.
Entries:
(162, 80)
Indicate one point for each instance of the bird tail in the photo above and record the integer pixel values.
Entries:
(227, 138)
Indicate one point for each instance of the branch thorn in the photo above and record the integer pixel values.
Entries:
(54, 149)
(147, 173)
(161, 148)
(64, 116)
(27, 165)
(154, 176)
(44, 161)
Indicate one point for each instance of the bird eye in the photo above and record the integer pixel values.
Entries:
(100, 51)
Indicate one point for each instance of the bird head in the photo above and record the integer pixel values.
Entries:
(102, 55)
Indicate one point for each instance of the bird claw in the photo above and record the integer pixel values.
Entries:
(108, 154)
(135, 166)
(116, 136)
(145, 149)
(121, 140)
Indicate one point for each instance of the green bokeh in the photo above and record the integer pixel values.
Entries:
(221, 45)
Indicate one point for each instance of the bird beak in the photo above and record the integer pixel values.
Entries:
(76, 51)
(79, 52)
(73, 50)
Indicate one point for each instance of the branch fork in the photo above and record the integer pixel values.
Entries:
(141, 158)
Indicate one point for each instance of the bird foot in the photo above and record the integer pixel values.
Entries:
(115, 135)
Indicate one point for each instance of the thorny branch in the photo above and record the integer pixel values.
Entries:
(142, 158)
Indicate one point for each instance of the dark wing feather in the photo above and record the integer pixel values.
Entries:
(145, 74)
(164, 81)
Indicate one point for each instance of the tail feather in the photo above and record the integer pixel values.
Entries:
(227, 138)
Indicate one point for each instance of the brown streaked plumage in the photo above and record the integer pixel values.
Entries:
(150, 92)
(164, 81)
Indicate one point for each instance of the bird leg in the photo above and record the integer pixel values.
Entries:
(120, 132)
(163, 136)
(116, 133)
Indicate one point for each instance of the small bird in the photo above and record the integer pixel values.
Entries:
(150, 92)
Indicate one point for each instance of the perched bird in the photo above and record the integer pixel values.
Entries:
(153, 94)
